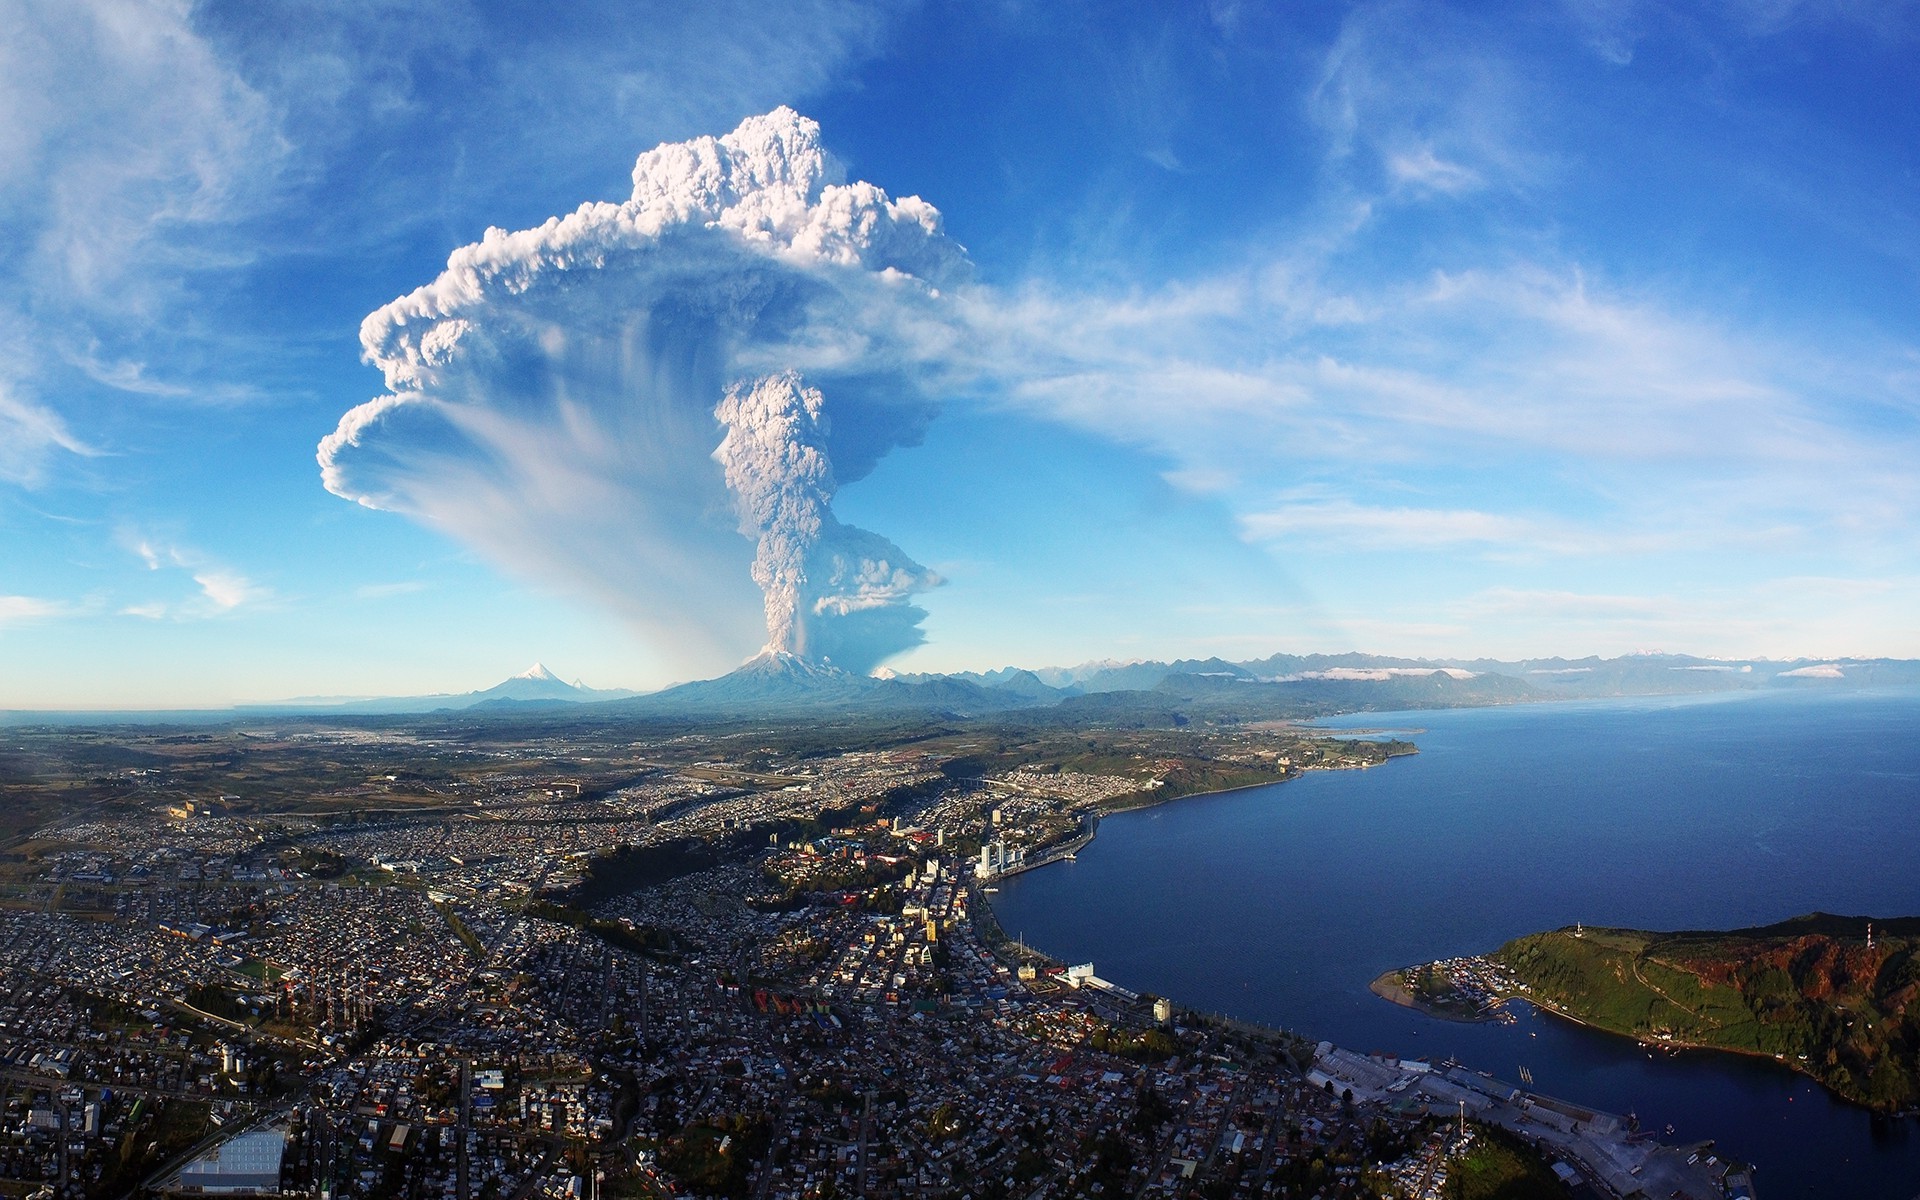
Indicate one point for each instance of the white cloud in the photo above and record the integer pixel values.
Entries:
(152, 148)
(221, 589)
(228, 590)
(1629, 425)
(17, 610)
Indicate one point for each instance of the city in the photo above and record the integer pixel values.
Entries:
(561, 963)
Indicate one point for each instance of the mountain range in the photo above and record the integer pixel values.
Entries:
(1280, 685)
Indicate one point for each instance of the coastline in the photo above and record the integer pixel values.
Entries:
(1797, 1142)
(1149, 798)
(1388, 988)
(1704, 1047)
(1153, 797)
(1391, 988)
(1613, 1154)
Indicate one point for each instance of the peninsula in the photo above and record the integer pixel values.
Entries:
(1837, 998)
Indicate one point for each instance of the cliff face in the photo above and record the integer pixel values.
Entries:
(1811, 992)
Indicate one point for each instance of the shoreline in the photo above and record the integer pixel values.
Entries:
(1390, 991)
(1390, 988)
(1386, 986)
(1155, 800)
(1308, 1052)
(1703, 1047)
(1687, 1087)
(1151, 799)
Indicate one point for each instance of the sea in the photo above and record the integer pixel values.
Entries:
(1280, 904)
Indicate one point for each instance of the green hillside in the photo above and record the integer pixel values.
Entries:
(1810, 992)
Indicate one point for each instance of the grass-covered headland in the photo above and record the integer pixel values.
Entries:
(1813, 992)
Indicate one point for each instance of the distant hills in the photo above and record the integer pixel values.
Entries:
(534, 687)
(774, 683)
(1276, 687)
(1629, 675)
(1280, 686)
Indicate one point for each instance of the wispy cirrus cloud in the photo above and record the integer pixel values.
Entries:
(127, 150)
(1664, 426)
(154, 152)
(220, 588)
(1420, 167)
(29, 432)
(1416, 95)
(1342, 522)
(126, 134)
(384, 591)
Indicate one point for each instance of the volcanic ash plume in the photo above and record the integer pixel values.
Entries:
(832, 591)
(776, 463)
(551, 397)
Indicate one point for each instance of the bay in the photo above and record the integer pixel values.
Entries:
(1281, 904)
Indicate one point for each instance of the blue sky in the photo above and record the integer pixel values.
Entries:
(1422, 329)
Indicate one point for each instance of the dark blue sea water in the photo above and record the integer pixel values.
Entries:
(1280, 904)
